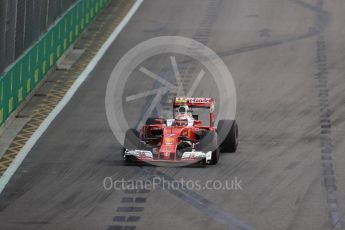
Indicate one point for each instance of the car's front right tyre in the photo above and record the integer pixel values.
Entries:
(228, 135)
(209, 143)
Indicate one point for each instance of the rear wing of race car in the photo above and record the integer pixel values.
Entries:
(196, 102)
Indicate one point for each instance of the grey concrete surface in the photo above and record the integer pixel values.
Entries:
(272, 48)
(70, 58)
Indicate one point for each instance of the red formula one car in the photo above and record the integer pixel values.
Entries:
(184, 138)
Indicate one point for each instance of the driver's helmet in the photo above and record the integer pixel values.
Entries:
(183, 113)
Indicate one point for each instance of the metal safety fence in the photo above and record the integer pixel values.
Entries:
(23, 21)
(29, 69)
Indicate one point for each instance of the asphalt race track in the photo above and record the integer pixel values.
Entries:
(287, 60)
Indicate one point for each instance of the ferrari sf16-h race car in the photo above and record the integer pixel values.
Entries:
(184, 138)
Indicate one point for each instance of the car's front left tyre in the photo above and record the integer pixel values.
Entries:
(132, 141)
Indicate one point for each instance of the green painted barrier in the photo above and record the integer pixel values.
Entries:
(23, 76)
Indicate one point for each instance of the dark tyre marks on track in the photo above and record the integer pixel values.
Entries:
(128, 214)
(321, 78)
(194, 199)
(314, 30)
(201, 35)
(197, 201)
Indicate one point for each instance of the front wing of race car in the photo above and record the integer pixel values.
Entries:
(144, 155)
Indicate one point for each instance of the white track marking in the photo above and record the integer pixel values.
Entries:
(45, 124)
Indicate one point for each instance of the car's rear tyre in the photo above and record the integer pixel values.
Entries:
(227, 135)
(155, 121)
(132, 141)
(209, 143)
